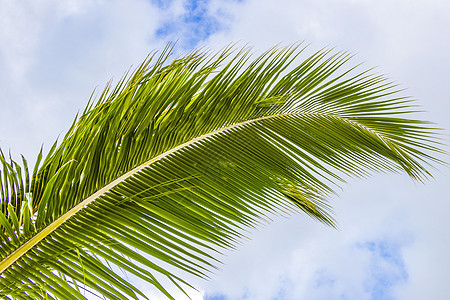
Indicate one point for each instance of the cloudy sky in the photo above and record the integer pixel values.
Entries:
(394, 235)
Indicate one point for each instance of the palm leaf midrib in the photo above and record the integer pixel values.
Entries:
(73, 211)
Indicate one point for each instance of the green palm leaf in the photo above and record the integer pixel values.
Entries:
(174, 163)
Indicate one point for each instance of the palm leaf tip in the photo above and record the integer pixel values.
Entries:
(180, 157)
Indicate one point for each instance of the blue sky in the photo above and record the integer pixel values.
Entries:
(196, 20)
(393, 236)
(386, 268)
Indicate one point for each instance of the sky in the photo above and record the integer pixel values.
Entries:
(394, 234)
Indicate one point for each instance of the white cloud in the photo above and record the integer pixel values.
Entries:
(53, 53)
(296, 254)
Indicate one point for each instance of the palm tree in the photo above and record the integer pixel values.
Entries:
(169, 167)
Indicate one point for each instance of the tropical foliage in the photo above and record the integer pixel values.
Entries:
(171, 165)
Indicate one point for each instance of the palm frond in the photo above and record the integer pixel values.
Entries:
(180, 157)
